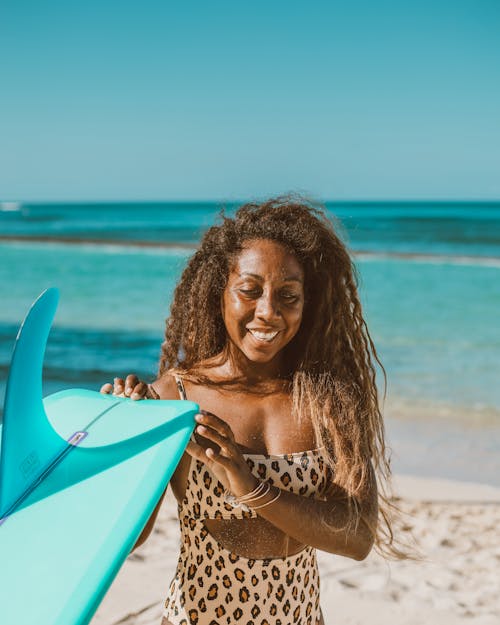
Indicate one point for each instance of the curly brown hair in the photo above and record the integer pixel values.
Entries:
(331, 360)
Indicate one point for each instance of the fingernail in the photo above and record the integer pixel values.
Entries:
(135, 396)
(199, 417)
(128, 390)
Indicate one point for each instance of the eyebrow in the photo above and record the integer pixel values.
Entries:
(257, 277)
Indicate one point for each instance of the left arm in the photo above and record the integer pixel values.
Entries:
(325, 524)
(322, 524)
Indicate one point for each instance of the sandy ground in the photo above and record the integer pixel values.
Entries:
(456, 524)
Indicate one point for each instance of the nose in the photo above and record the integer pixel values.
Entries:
(267, 306)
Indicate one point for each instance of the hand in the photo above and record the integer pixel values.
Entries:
(222, 454)
(132, 387)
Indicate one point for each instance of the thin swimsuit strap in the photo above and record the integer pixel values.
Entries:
(180, 387)
(183, 396)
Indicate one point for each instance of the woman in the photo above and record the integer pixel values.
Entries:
(266, 334)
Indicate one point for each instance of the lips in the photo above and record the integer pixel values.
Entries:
(264, 336)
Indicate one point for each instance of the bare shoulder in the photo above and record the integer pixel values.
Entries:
(166, 386)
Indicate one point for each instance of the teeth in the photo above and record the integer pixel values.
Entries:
(263, 336)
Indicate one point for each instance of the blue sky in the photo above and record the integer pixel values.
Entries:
(223, 100)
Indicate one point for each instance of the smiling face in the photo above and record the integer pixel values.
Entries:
(262, 304)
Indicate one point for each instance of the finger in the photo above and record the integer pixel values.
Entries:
(209, 419)
(131, 382)
(218, 458)
(118, 386)
(226, 445)
(195, 450)
(140, 391)
(106, 388)
(208, 455)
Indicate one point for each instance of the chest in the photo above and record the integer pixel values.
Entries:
(261, 424)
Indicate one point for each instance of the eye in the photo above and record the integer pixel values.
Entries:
(250, 292)
(289, 297)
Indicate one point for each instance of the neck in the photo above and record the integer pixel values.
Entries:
(237, 365)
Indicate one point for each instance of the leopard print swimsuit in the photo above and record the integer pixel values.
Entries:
(212, 585)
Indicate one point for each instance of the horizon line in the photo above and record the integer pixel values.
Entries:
(407, 201)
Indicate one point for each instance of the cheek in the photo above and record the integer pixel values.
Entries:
(234, 310)
(234, 306)
(295, 320)
(298, 319)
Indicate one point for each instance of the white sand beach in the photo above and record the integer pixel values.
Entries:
(457, 581)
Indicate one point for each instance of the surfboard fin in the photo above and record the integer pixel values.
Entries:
(29, 442)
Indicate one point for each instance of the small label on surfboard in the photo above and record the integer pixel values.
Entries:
(77, 438)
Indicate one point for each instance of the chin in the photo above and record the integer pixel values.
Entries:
(259, 357)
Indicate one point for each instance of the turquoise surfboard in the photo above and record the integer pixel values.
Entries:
(80, 475)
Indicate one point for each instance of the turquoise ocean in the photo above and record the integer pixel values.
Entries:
(429, 281)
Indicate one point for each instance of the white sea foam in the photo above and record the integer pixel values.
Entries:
(10, 206)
